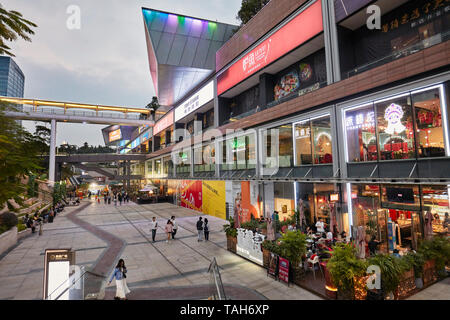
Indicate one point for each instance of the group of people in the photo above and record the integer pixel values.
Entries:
(47, 216)
(115, 197)
(171, 228)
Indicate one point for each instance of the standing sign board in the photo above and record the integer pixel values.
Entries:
(283, 269)
(57, 268)
(273, 265)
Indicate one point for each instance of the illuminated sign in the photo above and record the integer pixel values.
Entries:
(278, 44)
(249, 245)
(302, 133)
(360, 121)
(135, 143)
(393, 115)
(115, 135)
(334, 197)
(194, 102)
(57, 273)
(163, 123)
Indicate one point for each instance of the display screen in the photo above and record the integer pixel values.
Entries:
(115, 135)
(403, 195)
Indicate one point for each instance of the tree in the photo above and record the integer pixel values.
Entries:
(249, 8)
(12, 26)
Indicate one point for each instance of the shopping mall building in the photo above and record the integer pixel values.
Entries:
(309, 102)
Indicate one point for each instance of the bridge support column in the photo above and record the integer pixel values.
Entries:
(52, 157)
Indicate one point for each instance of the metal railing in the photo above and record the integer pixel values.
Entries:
(426, 43)
(71, 112)
(217, 290)
(75, 288)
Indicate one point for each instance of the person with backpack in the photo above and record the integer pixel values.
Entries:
(200, 229)
(206, 229)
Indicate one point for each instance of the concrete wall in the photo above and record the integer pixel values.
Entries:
(8, 239)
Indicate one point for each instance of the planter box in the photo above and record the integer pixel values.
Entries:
(8, 239)
(231, 244)
(429, 273)
(298, 274)
(266, 258)
(407, 285)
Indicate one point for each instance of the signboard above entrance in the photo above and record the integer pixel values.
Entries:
(300, 29)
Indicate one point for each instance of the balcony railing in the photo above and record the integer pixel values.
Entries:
(426, 43)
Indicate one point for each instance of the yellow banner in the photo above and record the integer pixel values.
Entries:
(214, 199)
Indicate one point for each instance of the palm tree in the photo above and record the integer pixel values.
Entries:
(12, 26)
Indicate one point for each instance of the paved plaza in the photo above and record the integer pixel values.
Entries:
(102, 234)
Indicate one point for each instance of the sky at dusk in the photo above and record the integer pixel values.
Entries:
(105, 62)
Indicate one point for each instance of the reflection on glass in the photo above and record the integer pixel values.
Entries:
(395, 128)
(361, 138)
(429, 132)
(303, 153)
(436, 210)
(321, 129)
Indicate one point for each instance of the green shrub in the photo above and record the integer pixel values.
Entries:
(413, 260)
(343, 266)
(8, 220)
(391, 271)
(293, 246)
(438, 248)
(271, 246)
(229, 229)
(250, 225)
(21, 227)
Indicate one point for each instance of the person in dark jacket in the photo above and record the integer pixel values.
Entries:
(200, 229)
(206, 229)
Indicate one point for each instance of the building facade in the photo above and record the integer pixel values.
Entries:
(348, 122)
(12, 79)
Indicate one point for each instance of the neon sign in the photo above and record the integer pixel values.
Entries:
(393, 115)
(360, 121)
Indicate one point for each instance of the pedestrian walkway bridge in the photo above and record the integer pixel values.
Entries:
(43, 110)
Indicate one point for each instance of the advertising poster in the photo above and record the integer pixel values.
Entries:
(283, 269)
(273, 265)
(191, 194)
(213, 193)
(248, 205)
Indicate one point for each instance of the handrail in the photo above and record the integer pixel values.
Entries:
(68, 288)
(214, 271)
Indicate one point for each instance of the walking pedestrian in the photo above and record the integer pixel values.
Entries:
(206, 229)
(169, 229)
(105, 198)
(120, 274)
(109, 199)
(175, 227)
(115, 200)
(120, 198)
(153, 227)
(200, 229)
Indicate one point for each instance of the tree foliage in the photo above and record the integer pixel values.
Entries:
(13, 26)
(249, 8)
(19, 150)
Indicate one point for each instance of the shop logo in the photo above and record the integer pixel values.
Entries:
(256, 58)
(360, 121)
(393, 115)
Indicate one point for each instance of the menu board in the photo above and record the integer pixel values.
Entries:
(283, 269)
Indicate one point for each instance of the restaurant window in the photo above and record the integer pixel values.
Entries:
(402, 206)
(250, 150)
(360, 132)
(209, 154)
(429, 128)
(436, 210)
(368, 215)
(395, 128)
(240, 150)
(278, 143)
(158, 167)
(321, 129)
(168, 166)
(183, 161)
(303, 153)
(149, 167)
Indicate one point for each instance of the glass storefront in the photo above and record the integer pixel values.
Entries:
(278, 146)
(204, 158)
(238, 153)
(313, 141)
(407, 126)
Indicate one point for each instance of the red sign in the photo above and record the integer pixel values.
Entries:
(163, 123)
(191, 194)
(283, 269)
(297, 31)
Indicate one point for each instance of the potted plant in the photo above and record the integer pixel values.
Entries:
(293, 248)
(231, 233)
(417, 261)
(267, 248)
(344, 267)
(436, 252)
(391, 272)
